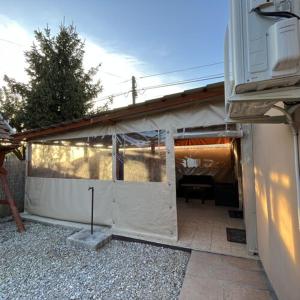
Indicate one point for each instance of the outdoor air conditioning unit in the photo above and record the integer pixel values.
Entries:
(262, 56)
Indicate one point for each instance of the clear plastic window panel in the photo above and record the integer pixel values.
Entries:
(141, 156)
(81, 158)
(199, 157)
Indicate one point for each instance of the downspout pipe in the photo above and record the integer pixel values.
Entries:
(295, 133)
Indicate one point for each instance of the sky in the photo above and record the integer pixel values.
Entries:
(132, 37)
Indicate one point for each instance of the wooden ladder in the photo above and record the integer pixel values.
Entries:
(8, 196)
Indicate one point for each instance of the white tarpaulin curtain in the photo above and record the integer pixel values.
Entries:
(144, 202)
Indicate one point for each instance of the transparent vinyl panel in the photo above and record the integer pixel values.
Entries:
(81, 158)
(205, 157)
(141, 156)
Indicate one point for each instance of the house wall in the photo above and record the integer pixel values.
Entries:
(137, 209)
(276, 201)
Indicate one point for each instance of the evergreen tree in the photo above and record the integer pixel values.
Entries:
(58, 89)
(11, 104)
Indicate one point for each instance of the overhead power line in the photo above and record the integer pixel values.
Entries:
(11, 42)
(127, 80)
(177, 71)
(111, 74)
(182, 70)
(216, 76)
(112, 95)
(141, 77)
(192, 80)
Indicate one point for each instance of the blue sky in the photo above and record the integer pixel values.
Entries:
(155, 36)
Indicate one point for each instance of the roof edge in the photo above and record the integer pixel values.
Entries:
(208, 93)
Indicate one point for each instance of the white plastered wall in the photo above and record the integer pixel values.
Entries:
(137, 209)
(276, 202)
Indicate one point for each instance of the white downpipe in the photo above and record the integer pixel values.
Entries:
(295, 133)
(297, 172)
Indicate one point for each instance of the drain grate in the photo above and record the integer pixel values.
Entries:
(236, 214)
(236, 235)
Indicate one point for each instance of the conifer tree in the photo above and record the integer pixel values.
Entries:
(59, 89)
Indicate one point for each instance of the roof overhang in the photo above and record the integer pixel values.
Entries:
(209, 93)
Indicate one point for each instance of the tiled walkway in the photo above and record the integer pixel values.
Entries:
(203, 227)
(220, 277)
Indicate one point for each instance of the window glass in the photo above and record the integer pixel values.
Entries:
(82, 158)
(141, 156)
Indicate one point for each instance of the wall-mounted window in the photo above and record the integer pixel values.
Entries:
(141, 156)
(82, 158)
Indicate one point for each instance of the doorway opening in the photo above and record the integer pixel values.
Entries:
(209, 194)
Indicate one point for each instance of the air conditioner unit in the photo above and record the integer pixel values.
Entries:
(262, 56)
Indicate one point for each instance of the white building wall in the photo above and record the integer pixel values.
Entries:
(276, 201)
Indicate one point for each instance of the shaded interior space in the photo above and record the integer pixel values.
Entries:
(208, 177)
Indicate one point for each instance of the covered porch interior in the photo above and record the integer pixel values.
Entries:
(209, 193)
(203, 227)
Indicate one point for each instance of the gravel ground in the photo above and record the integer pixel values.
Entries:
(39, 265)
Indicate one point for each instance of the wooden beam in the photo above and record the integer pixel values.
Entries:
(10, 201)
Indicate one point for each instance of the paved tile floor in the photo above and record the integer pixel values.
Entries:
(220, 277)
(203, 227)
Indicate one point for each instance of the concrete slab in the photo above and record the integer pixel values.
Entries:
(85, 240)
(49, 221)
(213, 276)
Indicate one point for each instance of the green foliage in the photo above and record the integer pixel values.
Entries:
(58, 89)
(12, 106)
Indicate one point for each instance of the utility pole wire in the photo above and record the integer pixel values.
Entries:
(12, 42)
(182, 70)
(109, 96)
(111, 74)
(215, 76)
(177, 71)
(141, 77)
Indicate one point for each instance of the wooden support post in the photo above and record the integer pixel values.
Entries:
(9, 199)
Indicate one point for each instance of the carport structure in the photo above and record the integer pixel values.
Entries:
(128, 156)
